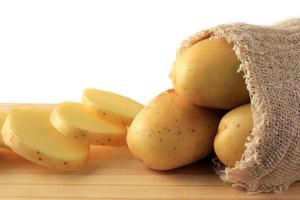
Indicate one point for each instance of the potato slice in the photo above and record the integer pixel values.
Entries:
(3, 116)
(73, 119)
(29, 133)
(5, 108)
(111, 106)
(8, 107)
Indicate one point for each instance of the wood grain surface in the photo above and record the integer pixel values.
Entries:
(112, 173)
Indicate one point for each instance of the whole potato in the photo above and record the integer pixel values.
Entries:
(234, 129)
(206, 73)
(171, 132)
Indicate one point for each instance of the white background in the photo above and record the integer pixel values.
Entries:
(51, 50)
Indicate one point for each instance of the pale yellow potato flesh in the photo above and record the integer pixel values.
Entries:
(8, 107)
(206, 74)
(171, 132)
(29, 133)
(74, 120)
(3, 116)
(111, 106)
(234, 129)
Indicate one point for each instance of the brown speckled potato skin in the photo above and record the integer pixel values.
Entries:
(171, 132)
(234, 128)
(206, 73)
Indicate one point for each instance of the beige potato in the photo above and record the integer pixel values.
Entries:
(111, 106)
(206, 73)
(171, 132)
(28, 132)
(234, 128)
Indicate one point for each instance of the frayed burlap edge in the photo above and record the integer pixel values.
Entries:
(257, 105)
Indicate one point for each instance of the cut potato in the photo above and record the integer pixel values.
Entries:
(3, 116)
(29, 133)
(8, 107)
(73, 119)
(5, 108)
(111, 106)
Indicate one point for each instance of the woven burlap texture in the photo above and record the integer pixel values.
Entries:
(270, 60)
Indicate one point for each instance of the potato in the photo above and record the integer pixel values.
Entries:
(74, 120)
(171, 132)
(234, 129)
(206, 73)
(6, 108)
(111, 106)
(29, 133)
(3, 116)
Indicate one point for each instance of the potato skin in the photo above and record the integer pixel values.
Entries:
(234, 128)
(206, 73)
(171, 132)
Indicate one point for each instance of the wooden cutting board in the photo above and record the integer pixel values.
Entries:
(113, 174)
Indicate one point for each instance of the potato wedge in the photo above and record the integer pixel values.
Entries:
(73, 119)
(29, 133)
(111, 106)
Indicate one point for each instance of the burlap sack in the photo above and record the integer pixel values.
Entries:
(270, 57)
